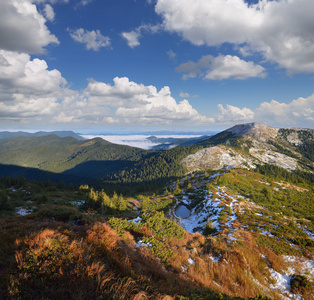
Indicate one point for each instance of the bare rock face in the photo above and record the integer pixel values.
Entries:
(261, 144)
(216, 158)
(255, 131)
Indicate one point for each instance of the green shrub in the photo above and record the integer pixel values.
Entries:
(158, 248)
(209, 228)
(60, 213)
(223, 217)
(303, 242)
(120, 225)
(299, 282)
(157, 205)
(161, 226)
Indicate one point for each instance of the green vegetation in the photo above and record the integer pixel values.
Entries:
(101, 164)
(161, 226)
(105, 240)
(60, 213)
(158, 248)
(158, 204)
(110, 240)
(299, 282)
(277, 197)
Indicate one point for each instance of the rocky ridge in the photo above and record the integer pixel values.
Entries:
(247, 145)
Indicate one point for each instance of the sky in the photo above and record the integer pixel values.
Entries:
(136, 65)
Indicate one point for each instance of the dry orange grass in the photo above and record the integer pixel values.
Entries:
(113, 266)
(86, 277)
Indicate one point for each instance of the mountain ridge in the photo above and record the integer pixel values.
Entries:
(60, 133)
(248, 145)
(241, 146)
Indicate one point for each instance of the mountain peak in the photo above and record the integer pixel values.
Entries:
(254, 130)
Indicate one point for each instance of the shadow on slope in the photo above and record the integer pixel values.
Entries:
(36, 174)
(99, 170)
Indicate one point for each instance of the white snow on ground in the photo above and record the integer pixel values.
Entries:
(185, 200)
(23, 211)
(184, 268)
(215, 259)
(191, 261)
(309, 233)
(267, 233)
(306, 265)
(141, 244)
(78, 203)
(136, 220)
(193, 221)
(282, 283)
(211, 209)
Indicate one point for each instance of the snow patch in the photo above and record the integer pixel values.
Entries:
(136, 220)
(140, 244)
(23, 211)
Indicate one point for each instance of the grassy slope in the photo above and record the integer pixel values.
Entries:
(40, 257)
(47, 255)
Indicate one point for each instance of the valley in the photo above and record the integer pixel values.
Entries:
(229, 217)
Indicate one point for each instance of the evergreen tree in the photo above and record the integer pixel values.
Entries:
(177, 190)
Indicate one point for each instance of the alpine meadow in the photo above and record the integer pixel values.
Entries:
(157, 149)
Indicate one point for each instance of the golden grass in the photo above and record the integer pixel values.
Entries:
(95, 262)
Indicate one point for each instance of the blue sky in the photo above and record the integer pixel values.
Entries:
(102, 65)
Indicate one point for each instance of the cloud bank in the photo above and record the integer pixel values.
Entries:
(221, 67)
(30, 93)
(23, 28)
(282, 31)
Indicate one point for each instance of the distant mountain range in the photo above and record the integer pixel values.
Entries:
(242, 146)
(170, 143)
(8, 134)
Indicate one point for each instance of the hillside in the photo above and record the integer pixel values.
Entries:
(94, 160)
(234, 234)
(230, 218)
(55, 154)
(98, 162)
(253, 144)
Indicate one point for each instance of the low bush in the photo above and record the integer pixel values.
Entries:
(158, 248)
(161, 226)
(299, 282)
(60, 213)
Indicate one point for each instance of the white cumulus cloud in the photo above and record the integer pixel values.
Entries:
(141, 104)
(93, 40)
(224, 67)
(27, 88)
(132, 37)
(298, 113)
(23, 28)
(221, 67)
(33, 94)
(233, 114)
(282, 31)
(185, 95)
(49, 12)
